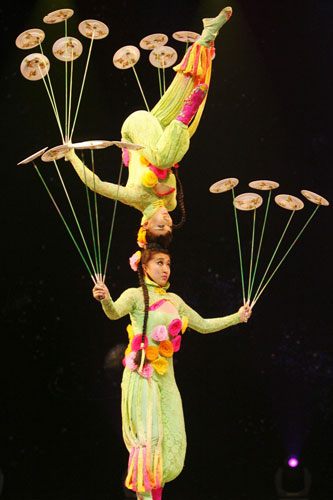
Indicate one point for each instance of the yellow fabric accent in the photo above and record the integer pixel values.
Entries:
(144, 160)
(140, 485)
(128, 482)
(130, 332)
(184, 323)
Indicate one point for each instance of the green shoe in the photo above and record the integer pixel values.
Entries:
(212, 26)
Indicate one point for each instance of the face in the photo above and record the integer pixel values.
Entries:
(160, 223)
(158, 268)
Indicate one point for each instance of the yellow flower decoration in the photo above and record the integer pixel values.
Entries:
(130, 332)
(149, 179)
(151, 353)
(160, 365)
(185, 323)
(141, 237)
(128, 350)
(166, 348)
(144, 160)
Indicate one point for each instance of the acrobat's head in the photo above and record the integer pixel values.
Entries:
(156, 227)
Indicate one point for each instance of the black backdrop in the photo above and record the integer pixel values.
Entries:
(251, 395)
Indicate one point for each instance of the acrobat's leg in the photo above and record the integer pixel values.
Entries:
(193, 70)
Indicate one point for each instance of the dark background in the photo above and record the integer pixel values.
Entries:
(251, 395)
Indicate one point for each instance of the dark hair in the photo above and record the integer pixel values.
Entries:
(163, 240)
(180, 201)
(146, 254)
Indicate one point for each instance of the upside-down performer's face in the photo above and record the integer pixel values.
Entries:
(160, 223)
(158, 268)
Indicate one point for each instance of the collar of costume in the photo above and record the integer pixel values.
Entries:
(151, 209)
(156, 288)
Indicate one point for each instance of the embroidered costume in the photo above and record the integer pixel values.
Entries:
(152, 414)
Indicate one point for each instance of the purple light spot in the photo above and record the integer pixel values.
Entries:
(293, 462)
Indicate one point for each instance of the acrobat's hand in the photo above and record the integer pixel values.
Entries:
(245, 312)
(100, 291)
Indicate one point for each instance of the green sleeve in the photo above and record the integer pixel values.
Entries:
(124, 305)
(205, 325)
(125, 194)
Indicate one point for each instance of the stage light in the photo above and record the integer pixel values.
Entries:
(293, 462)
(292, 480)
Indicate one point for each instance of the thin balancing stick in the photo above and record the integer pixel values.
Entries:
(66, 91)
(82, 86)
(239, 247)
(285, 255)
(70, 99)
(251, 258)
(163, 74)
(260, 241)
(273, 256)
(65, 223)
(52, 99)
(140, 87)
(113, 219)
(92, 228)
(99, 260)
(160, 81)
(75, 216)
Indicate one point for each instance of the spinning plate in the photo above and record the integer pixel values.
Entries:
(150, 42)
(248, 201)
(32, 157)
(58, 16)
(163, 57)
(223, 185)
(92, 144)
(55, 153)
(35, 66)
(186, 36)
(67, 48)
(264, 185)
(127, 145)
(289, 202)
(126, 57)
(315, 198)
(30, 39)
(91, 28)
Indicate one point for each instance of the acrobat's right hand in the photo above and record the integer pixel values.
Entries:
(100, 291)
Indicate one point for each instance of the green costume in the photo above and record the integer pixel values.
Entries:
(153, 423)
(165, 139)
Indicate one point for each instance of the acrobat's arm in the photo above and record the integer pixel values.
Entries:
(207, 325)
(124, 305)
(108, 189)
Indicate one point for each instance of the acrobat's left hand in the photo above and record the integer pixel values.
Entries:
(245, 312)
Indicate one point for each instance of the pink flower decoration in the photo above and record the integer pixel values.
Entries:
(134, 260)
(136, 342)
(129, 361)
(160, 333)
(161, 173)
(176, 342)
(147, 371)
(125, 156)
(174, 327)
